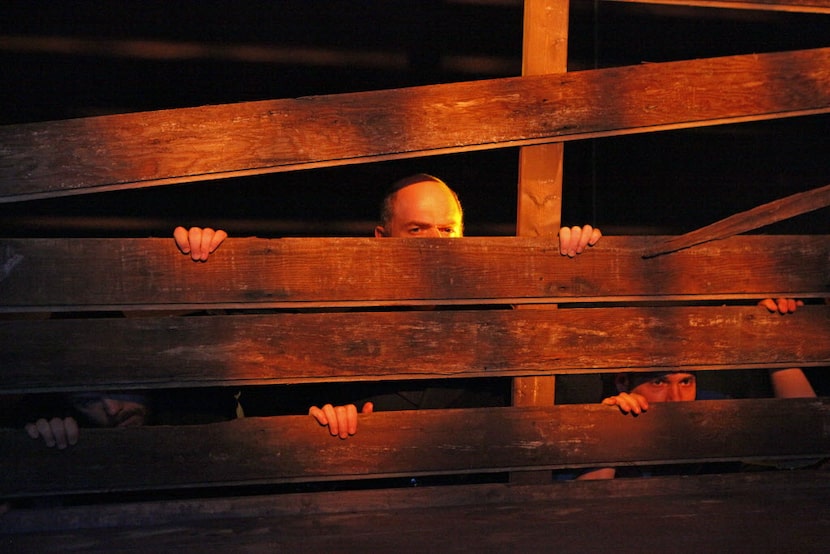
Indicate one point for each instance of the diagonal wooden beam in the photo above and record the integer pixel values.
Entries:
(798, 6)
(755, 218)
(60, 158)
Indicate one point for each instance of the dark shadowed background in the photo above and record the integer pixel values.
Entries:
(72, 59)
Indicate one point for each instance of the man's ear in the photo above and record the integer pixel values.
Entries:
(380, 232)
(622, 382)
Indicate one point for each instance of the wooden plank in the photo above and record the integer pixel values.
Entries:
(705, 513)
(766, 214)
(798, 6)
(139, 274)
(211, 142)
(83, 354)
(781, 485)
(287, 449)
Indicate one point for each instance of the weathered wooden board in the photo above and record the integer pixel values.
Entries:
(165, 147)
(410, 443)
(705, 513)
(757, 512)
(106, 353)
(781, 485)
(137, 274)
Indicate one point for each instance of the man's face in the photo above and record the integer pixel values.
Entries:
(426, 209)
(106, 409)
(665, 387)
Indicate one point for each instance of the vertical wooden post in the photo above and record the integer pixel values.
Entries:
(545, 50)
(539, 210)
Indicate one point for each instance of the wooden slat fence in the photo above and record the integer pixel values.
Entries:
(99, 314)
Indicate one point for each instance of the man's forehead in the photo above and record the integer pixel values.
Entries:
(423, 190)
(417, 222)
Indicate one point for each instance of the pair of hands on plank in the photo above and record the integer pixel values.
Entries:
(201, 242)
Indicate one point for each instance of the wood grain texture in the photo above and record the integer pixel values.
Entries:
(210, 142)
(780, 485)
(704, 513)
(539, 199)
(409, 443)
(40, 356)
(149, 274)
